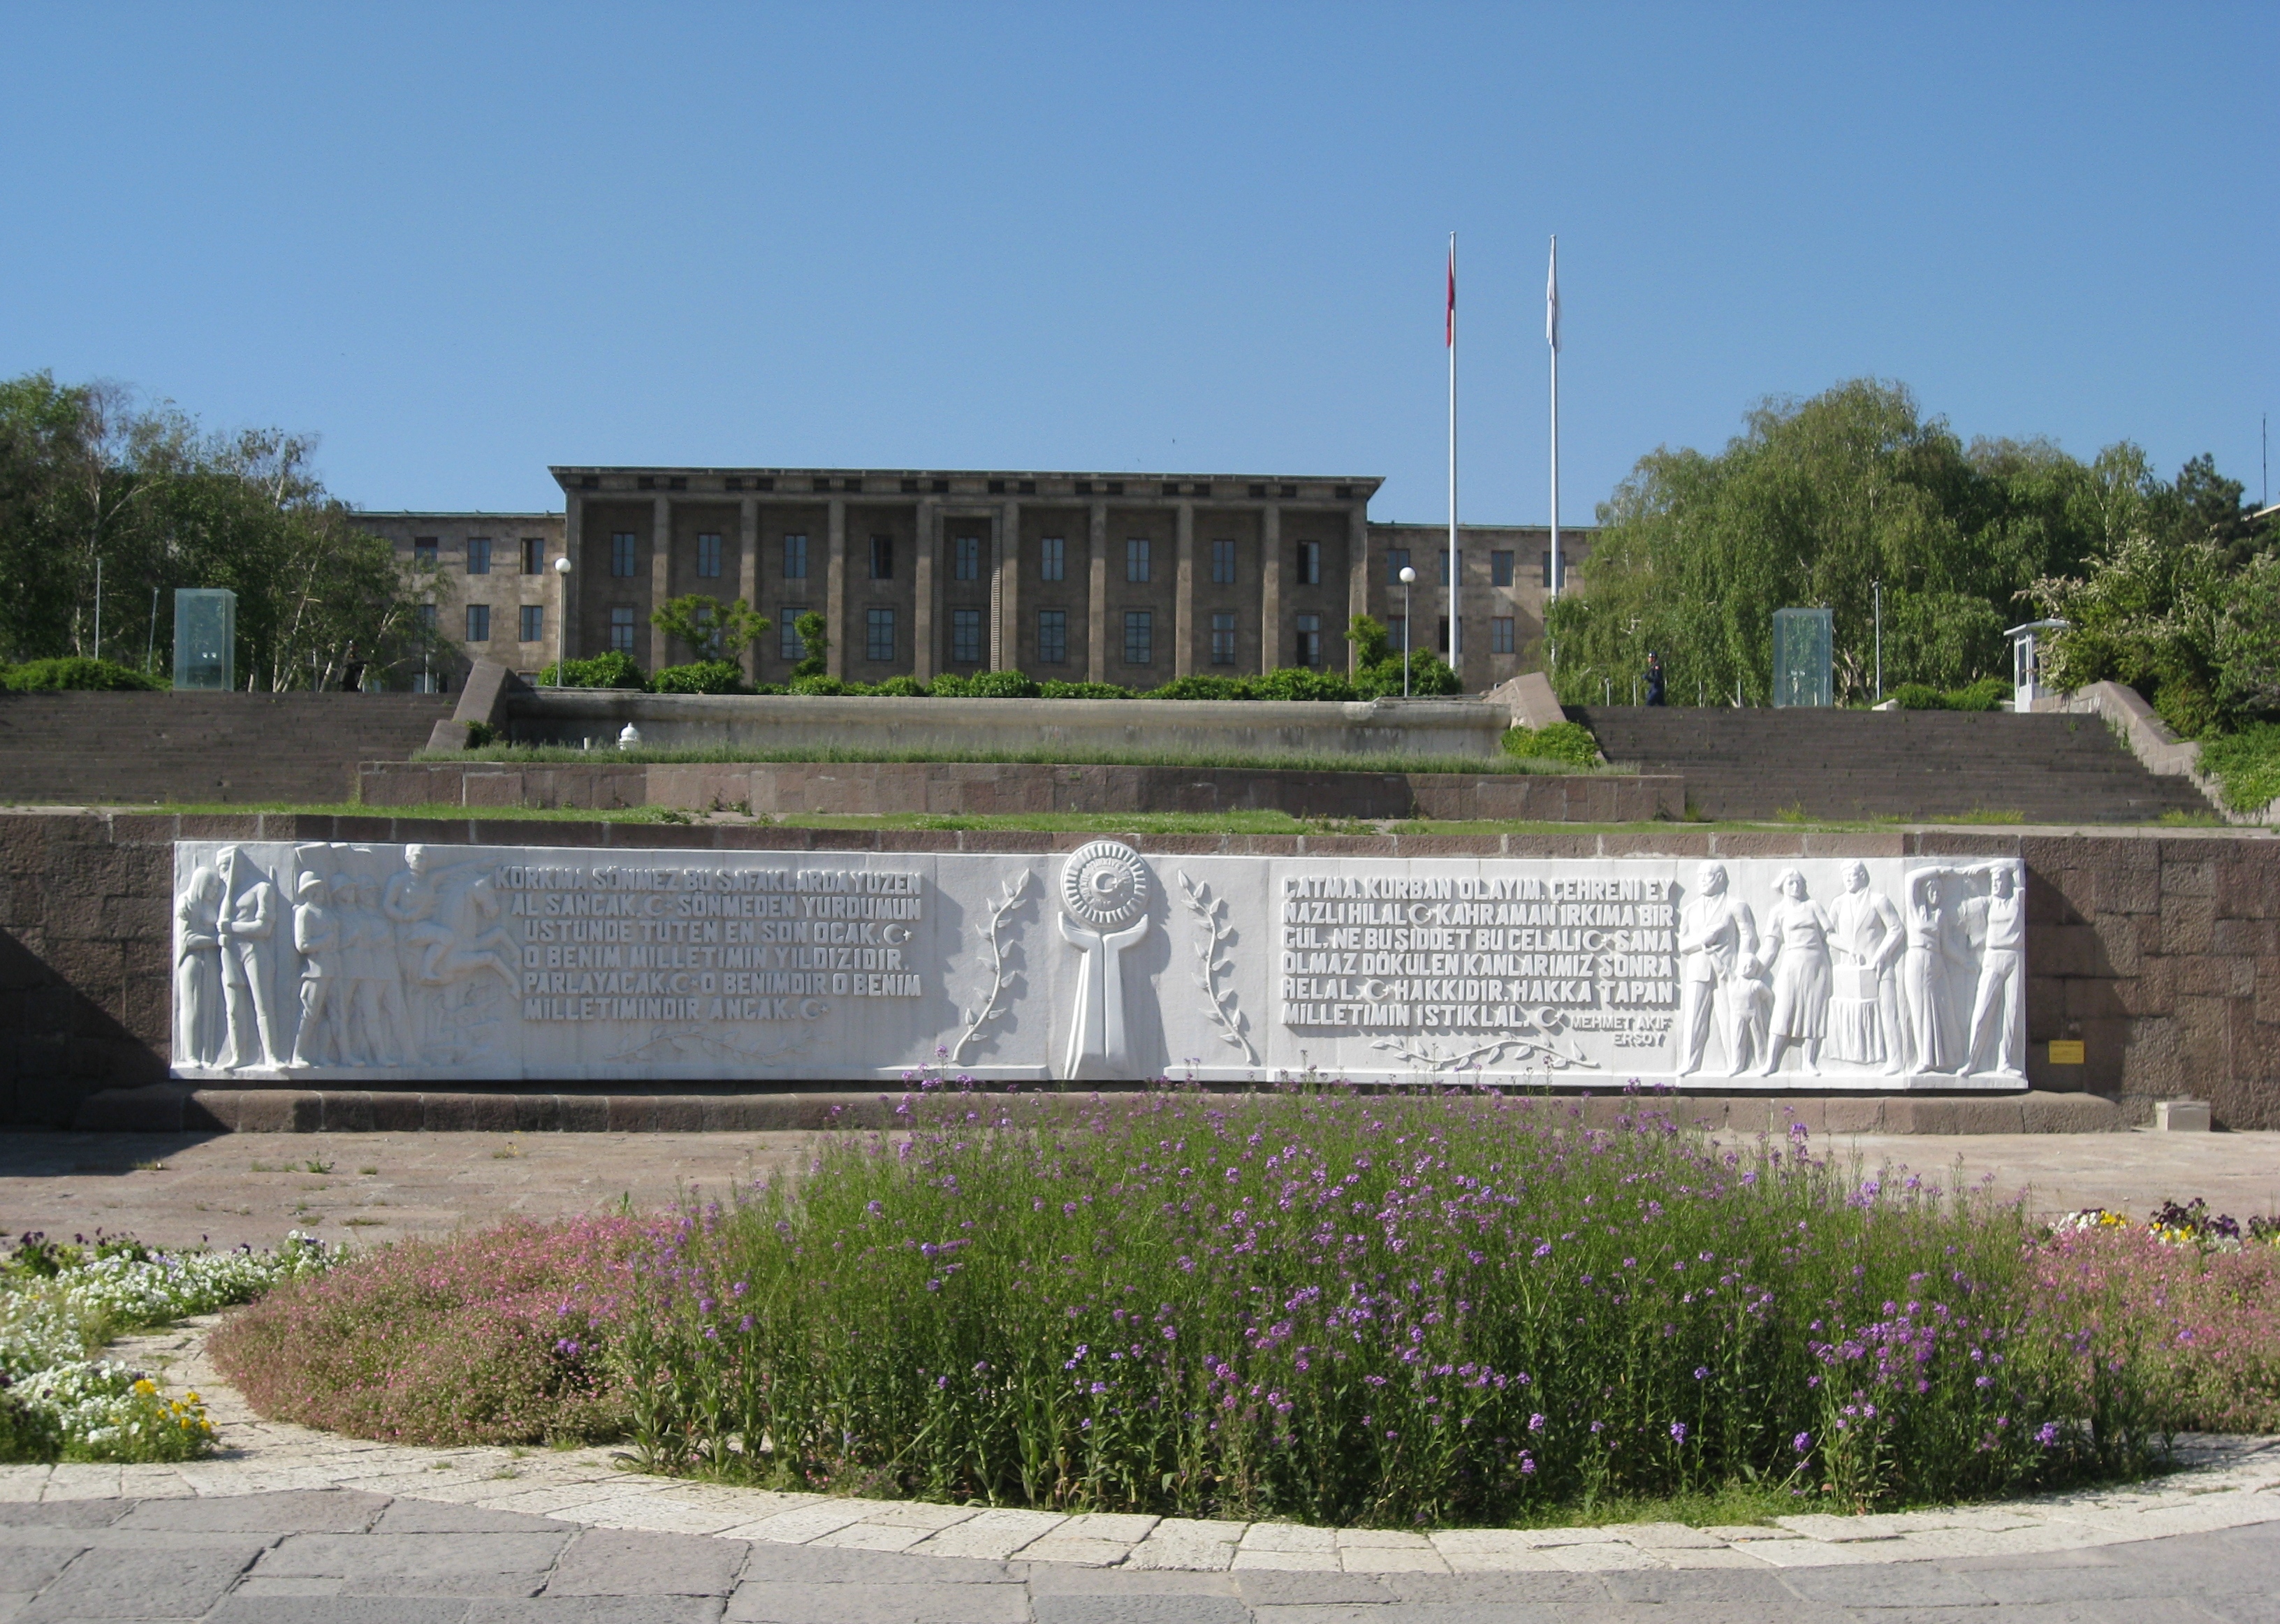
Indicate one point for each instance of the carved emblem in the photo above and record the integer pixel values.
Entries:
(1105, 908)
(1104, 885)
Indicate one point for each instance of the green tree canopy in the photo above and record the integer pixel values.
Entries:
(1819, 499)
(85, 473)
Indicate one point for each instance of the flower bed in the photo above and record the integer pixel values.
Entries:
(1332, 1307)
(60, 1303)
(478, 1339)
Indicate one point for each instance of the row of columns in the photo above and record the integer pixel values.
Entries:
(1004, 645)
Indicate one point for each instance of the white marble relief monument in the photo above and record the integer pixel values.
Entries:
(386, 966)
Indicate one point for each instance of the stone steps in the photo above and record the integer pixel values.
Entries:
(1918, 765)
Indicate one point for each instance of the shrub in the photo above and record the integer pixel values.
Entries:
(897, 688)
(1429, 676)
(818, 686)
(1568, 742)
(485, 1338)
(1051, 689)
(611, 670)
(1349, 1309)
(1204, 687)
(1918, 696)
(79, 674)
(815, 644)
(1987, 694)
(1298, 683)
(482, 735)
(2247, 765)
(708, 676)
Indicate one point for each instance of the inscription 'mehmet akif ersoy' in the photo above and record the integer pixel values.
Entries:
(387, 963)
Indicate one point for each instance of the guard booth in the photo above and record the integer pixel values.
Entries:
(2028, 646)
(1801, 669)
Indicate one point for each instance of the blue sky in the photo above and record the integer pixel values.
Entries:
(461, 243)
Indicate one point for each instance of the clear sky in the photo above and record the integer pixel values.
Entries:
(463, 242)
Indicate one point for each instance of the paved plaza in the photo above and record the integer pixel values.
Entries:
(173, 1189)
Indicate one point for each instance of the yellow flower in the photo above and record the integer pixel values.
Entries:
(146, 1385)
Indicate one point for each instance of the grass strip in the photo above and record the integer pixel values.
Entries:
(562, 755)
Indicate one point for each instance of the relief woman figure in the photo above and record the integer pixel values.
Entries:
(1796, 951)
(1923, 975)
(197, 969)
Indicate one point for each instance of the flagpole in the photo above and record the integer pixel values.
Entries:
(1552, 337)
(1456, 651)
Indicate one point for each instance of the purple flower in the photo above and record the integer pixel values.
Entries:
(1802, 1443)
(2047, 1434)
(1678, 1431)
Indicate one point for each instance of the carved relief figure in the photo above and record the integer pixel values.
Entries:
(445, 918)
(316, 935)
(199, 1018)
(1717, 939)
(1999, 919)
(1796, 951)
(1867, 938)
(392, 1018)
(1103, 893)
(247, 925)
(1924, 984)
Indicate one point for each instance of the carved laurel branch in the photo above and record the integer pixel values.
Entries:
(1430, 1058)
(1211, 913)
(1016, 889)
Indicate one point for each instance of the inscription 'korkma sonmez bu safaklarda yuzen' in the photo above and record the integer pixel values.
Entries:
(375, 963)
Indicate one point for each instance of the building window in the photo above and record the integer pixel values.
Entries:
(1441, 635)
(1566, 565)
(1443, 557)
(478, 555)
(1500, 635)
(1310, 639)
(708, 555)
(966, 558)
(883, 557)
(1397, 560)
(1310, 564)
(423, 549)
(1053, 636)
(1139, 637)
(1222, 640)
(879, 644)
(1499, 569)
(534, 555)
(1052, 558)
(532, 628)
(621, 553)
(787, 643)
(621, 630)
(479, 622)
(1136, 558)
(427, 617)
(1222, 564)
(1397, 630)
(794, 557)
(965, 636)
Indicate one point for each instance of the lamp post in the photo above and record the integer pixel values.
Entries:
(1408, 580)
(562, 611)
(1876, 589)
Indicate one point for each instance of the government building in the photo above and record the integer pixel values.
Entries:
(1125, 578)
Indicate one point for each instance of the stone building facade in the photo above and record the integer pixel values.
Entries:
(504, 601)
(1128, 579)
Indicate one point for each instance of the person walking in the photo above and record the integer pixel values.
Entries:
(1655, 691)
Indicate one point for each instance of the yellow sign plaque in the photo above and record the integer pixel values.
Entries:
(2066, 1051)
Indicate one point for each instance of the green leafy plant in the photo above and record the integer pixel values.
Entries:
(613, 669)
(714, 628)
(1205, 687)
(983, 685)
(1568, 742)
(813, 633)
(710, 677)
(1299, 683)
(76, 673)
(1056, 690)
(481, 736)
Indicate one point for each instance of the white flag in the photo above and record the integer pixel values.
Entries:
(1551, 298)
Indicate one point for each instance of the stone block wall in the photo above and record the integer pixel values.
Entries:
(2159, 951)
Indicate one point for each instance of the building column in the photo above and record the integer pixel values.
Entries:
(1357, 577)
(928, 530)
(1270, 589)
(573, 529)
(1005, 591)
(1183, 608)
(1096, 635)
(660, 579)
(748, 573)
(834, 591)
